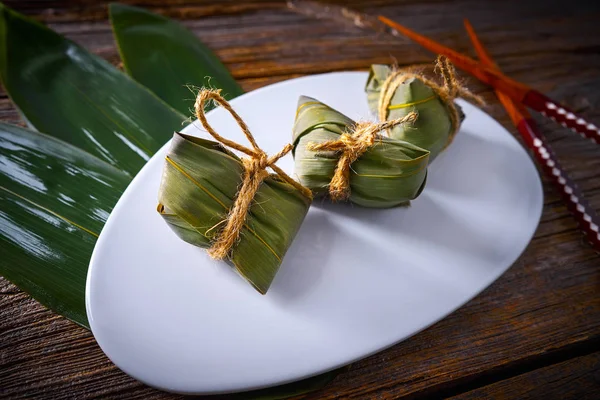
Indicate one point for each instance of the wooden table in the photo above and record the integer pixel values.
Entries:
(535, 333)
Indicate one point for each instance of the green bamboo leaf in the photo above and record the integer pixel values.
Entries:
(433, 128)
(166, 57)
(199, 184)
(54, 201)
(65, 91)
(390, 173)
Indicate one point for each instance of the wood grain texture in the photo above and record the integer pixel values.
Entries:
(536, 331)
(571, 379)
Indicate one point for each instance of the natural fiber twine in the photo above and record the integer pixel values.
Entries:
(352, 145)
(254, 173)
(450, 90)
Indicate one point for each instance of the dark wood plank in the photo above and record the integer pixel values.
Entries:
(577, 378)
(543, 311)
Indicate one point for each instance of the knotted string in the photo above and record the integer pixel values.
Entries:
(254, 173)
(450, 90)
(352, 145)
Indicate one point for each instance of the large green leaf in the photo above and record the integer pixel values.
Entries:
(54, 201)
(166, 57)
(55, 197)
(65, 91)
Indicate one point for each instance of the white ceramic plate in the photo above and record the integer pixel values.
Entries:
(354, 281)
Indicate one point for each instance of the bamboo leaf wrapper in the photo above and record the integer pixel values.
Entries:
(389, 173)
(433, 129)
(199, 186)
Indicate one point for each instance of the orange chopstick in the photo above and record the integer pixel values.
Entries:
(514, 89)
(516, 111)
(518, 92)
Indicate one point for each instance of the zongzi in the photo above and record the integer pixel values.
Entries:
(213, 199)
(335, 156)
(395, 93)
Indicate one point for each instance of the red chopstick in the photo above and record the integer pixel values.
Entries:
(576, 203)
(518, 92)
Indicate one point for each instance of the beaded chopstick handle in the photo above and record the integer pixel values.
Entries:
(572, 196)
(561, 115)
(569, 191)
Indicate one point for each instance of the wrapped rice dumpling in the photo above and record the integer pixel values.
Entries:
(395, 93)
(335, 156)
(213, 199)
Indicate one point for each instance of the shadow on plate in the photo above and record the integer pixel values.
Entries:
(306, 258)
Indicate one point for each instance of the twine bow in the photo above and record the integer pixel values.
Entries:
(352, 145)
(450, 90)
(254, 173)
